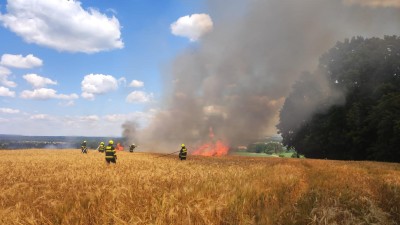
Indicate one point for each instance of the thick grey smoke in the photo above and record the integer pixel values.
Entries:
(236, 80)
(130, 132)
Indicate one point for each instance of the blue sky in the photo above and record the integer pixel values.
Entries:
(85, 67)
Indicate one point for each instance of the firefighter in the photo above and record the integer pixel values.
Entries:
(111, 156)
(183, 152)
(132, 147)
(83, 147)
(101, 147)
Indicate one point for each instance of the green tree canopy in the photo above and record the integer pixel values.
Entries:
(350, 107)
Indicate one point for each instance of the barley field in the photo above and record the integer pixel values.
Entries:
(67, 187)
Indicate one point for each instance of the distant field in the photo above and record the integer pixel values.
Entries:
(66, 187)
(252, 154)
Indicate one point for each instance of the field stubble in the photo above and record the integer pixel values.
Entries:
(66, 187)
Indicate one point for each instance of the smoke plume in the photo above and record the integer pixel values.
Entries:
(375, 3)
(236, 80)
(129, 133)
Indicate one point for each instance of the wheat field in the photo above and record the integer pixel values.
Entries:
(67, 187)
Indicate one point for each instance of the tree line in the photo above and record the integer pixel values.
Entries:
(349, 108)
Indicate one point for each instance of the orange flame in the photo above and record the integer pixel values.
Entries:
(119, 147)
(212, 148)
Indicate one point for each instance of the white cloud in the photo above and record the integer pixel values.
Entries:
(19, 61)
(90, 118)
(374, 3)
(38, 81)
(192, 27)
(62, 25)
(122, 81)
(46, 93)
(89, 96)
(136, 83)
(141, 117)
(4, 73)
(116, 117)
(40, 117)
(9, 111)
(94, 84)
(139, 97)
(5, 92)
(68, 103)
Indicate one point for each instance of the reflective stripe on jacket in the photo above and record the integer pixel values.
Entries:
(102, 148)
(183, 152)
(110, 152)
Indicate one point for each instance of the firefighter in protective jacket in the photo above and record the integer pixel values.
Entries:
(111, 156)
(183, 152)
(132, 147)
(101, 147)
(84, 147)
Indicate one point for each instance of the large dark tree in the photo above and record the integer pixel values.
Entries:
(350, 107)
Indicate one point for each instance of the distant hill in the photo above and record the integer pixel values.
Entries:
(51, 142)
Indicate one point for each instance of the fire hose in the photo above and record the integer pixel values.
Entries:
(167, 154)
